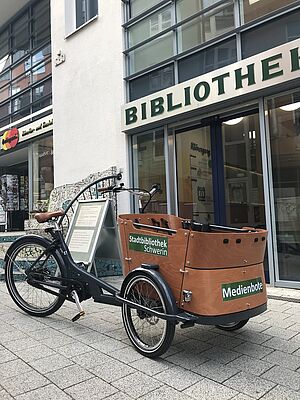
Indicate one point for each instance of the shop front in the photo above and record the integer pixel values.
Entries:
(224, 147)
(26, 171)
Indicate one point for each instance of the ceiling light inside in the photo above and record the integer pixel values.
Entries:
(291, 107)
(234, 121)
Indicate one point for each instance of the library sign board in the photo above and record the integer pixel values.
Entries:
(276, 66)
(84, 234)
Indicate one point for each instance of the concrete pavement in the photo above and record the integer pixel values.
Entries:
(53, 358)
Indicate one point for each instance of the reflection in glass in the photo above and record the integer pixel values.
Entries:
(194, 174)
(138, 6)
(43, 172)
(151, 53)
(206, 27)
(21, 37)
(41, 23)
(20, 102)
(274, 33)
(253, 9)
(244, 195)
(152, 82)
(185, 9)
(207, 60)
(285, 150)
(150, 26)
(149, 167)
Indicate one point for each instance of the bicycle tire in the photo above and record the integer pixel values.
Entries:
(144, 290)
(19, 257)
(232, 326)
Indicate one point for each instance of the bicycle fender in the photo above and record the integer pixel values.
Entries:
(158, 279)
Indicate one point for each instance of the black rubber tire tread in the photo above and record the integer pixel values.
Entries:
(235, 327)
(170, 326)
(11, 252)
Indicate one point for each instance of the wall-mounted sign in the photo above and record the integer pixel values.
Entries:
(10, 139)
(270, 68)
(36, 128)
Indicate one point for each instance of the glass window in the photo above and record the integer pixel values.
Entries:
(151, 82)
(4, 93)
(21, 68)
(4, 50)
(41, 23)
(41, 71)
(207, 60)
(151, 53)
(4, 79)
(21, 37)
(284, 124)
(206, 27)
(194, 174)
(42, 90)
(138, 6)
(43, 172)
(186, 8)
(85, 10)
(150, 26)
(149, 167)
(20, 84)
(20, 102)
(41, 55)
(253, 9)
(274, 33)
(4, 110)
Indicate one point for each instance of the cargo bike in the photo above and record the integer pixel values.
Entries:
(176, 271)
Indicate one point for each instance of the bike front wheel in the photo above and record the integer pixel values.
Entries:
(29, 262)
(149, 334)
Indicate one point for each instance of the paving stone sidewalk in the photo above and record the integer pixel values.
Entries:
(53, 358)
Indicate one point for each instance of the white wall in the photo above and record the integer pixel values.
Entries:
(88, 92)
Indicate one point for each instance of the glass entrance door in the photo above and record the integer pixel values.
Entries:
(219, 172)
(243, 177)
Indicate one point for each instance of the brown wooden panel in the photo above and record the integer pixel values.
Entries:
(206, 287)
(169, 266)
(208, 250)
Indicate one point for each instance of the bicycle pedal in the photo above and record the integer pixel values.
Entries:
(77, 316)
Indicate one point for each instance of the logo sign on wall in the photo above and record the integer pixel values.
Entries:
(10, 139)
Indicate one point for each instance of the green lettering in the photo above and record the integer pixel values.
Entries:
(267, 66)
(187, 96)
(239, 77)
(172, 106)
(144, 110)
(157, 107)
(220, 80)
(197, 89)
(295, 58)
(130, 115)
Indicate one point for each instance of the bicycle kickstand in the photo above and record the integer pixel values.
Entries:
(80, 309)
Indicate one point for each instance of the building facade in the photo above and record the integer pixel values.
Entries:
(26, 122)
(200, 96)
(213, 115)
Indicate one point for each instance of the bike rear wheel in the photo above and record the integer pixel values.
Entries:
(47, 268)
(151, 335)
(232, 326)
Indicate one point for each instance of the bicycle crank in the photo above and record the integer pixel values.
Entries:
(78, 304)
